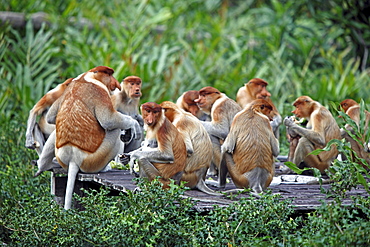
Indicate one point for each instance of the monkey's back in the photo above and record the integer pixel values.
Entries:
(252, 147)
(76, 123)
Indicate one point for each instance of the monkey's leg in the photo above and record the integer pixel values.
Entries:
(227, 159)
(39, 139)
(147, 169)
(45, 161)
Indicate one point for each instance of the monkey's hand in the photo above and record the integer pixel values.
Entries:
(137, 131)
(139, 119)
(124, 158)
(289, 121)
(275, 123)
(227, 148)
(30, 143)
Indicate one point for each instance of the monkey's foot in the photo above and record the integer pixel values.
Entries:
(286, 170)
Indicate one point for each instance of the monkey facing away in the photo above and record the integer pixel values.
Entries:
(250, 148)
(87, 127)
(256, 89)
(222, 110)
(38, 132)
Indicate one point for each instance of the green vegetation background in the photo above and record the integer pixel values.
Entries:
(305, 47)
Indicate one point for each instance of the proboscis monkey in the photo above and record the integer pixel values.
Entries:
(187, 103)
(320, 129)
(256, 89)
(250, 148)
(352, 109)
(163, 152)
(87, 130)
(38, 132)
(198, 146)
(127, 101)
(222, 110)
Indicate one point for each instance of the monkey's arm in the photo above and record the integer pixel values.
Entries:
(276, 121)
(229, 144)
(153, 155)
(218, 130)
(316, 137)
(274, 145)
(112, 119)
(188, 143)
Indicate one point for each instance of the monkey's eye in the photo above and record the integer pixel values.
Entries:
(262, 107)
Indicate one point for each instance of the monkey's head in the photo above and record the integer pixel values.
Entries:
(170, 110)
(304, 106)
(152, 113)
(207, 97)
(104, 74)
(347, 103)
(257, 88)
(262, 106)
(132, 86)
(189, 103)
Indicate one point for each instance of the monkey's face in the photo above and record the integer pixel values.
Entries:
(151, 117)
(205, 101)
(261, 91)
(347, 103)
(133, 89)
(301, 110)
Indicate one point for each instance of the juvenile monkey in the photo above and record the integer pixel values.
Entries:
(38, 132)
(198, 146)
(187, 102)
(250, 147)
(222, 110)
(126, 101)
(164, 152)
(87, 127)
(256, 89)
(320, 129)
(352, 109)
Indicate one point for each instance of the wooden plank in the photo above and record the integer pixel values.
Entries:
(305, 197)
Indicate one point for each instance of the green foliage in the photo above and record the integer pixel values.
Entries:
(309, 48)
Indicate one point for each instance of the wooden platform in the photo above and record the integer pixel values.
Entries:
(305, 197)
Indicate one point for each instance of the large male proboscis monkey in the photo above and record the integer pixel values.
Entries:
(222, 110)
(250, 148)
(320, 129)
(352, 109)
(187, 102)
(163, 152)
(198, 146)
(256, 89)
(126, 101)
(87, 130)
(38, 132)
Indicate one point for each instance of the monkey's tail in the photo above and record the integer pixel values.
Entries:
(201, 185)
(73, 169)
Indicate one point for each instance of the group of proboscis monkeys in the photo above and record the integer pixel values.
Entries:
(91, 119)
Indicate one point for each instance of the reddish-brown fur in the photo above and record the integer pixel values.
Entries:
(171, 147)
(222, 110)
(252, 145)
(198, 144)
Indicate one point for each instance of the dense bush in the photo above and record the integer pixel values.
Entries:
(299, 47)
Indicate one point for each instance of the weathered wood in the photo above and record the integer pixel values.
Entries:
(305, 197)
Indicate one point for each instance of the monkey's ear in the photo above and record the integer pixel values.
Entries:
(114, 84)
